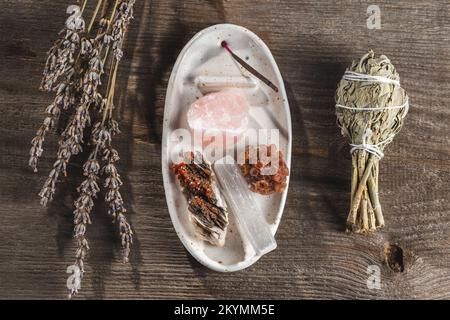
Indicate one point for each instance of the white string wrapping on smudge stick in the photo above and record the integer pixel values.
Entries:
(355, 76)
(365, 145)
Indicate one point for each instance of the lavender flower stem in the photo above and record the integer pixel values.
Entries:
(94, 16)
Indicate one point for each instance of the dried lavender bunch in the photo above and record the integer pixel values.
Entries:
(74, 70)
(370, 107)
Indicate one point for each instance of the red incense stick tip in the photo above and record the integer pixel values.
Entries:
(224, 44)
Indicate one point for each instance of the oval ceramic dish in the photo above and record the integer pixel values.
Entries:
(204, 66)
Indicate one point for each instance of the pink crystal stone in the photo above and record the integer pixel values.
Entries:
(223, 112)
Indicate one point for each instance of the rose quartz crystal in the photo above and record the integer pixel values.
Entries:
(220, 112)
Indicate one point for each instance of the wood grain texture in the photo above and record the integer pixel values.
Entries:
(313, 42)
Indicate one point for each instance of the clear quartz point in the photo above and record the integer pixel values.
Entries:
(242, 204)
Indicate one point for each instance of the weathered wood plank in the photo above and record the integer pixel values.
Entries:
(313, 42)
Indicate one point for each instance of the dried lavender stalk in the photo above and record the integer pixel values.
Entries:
(65, 99)
(74, 70)
(83, 207)
(121, 21)
(113, 197)
(120, 25)
(59, 75)
(61, 57)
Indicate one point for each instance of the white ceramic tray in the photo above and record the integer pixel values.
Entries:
(204, 66)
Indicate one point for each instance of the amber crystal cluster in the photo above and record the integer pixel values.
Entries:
(256, 160)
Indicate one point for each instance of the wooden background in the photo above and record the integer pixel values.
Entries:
(313, 41)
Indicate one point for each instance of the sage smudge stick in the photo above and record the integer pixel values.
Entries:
(83, 55)
(370, 107)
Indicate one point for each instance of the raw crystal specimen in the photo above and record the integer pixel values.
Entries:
(221, 112)
(243, 205)
(254, 165)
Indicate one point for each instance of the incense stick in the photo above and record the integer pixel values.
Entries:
(249, 68)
